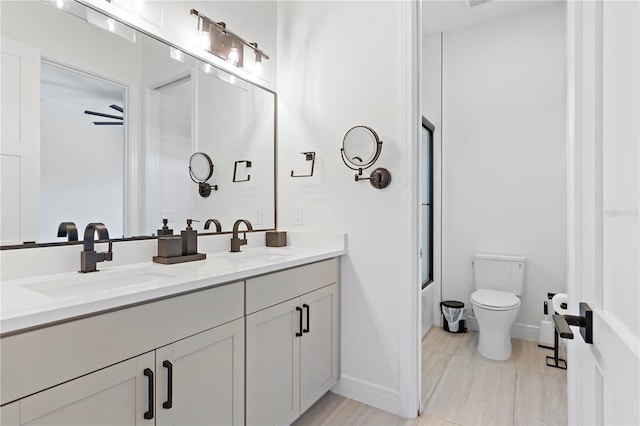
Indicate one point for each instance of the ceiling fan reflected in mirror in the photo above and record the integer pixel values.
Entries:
(102, 114)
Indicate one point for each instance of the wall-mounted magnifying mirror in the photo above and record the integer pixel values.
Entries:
(361, 147)
(201, 170)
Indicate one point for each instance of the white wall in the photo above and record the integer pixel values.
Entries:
(345, 64)
(504, 153)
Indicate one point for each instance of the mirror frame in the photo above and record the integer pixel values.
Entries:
(195, 58)
(377, 146)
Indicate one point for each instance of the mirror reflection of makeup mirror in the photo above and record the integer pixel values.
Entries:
(148, 106)
(361, 148)
(201, 170)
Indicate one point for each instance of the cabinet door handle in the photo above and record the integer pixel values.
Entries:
(149, 413)
(299, 333)
(306, 330)
(169, 402)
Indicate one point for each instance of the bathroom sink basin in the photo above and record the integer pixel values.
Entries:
(102, 281)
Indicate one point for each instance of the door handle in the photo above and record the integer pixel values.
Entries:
(306, 330)
(299, 333)
(584, 321)
(148, 415)
(169, 402)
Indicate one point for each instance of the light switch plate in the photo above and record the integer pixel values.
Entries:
(297, 215)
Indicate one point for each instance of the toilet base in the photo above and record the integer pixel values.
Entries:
(494, 349)
(494, 332)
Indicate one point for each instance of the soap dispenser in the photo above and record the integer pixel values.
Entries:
(165, 228)
(189, 239)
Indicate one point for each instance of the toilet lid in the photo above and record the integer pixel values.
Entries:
(495, 299)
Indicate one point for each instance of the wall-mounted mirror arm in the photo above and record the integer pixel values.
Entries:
(235, 170)
(309, 156)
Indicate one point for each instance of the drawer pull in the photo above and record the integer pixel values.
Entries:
(169, 402)
(149, 413)
(299, 333)
(306, 330)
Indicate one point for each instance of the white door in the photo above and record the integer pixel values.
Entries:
(273, 364)
(201, 378)
(117, 395)
(19, 142)
(604, 258)
(319, 344)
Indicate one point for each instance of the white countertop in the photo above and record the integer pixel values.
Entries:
(36, 301)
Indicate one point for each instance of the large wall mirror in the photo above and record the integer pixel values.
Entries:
(99, 122)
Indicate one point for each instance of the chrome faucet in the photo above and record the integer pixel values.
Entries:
(236, 242)
(215, 222)
(89, 257)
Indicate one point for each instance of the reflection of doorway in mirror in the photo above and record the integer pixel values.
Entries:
(169, 149)
(82, 154)
(19, 151)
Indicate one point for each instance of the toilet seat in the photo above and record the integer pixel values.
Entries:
(495, 300)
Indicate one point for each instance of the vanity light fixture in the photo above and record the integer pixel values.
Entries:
(227, 45)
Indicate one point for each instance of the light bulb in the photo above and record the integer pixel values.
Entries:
(208, 68)
(60, 4)
(203, 41)
(111, 24)
(233, 56)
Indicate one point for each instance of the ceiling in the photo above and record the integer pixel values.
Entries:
(450, 15)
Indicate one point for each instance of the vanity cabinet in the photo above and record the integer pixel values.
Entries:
(292, 342)
(200, 380)
(194, 359)
(112, 395)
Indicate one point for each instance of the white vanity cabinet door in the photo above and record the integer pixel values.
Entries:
(116, 395)
(273, 364)
(10, 414)
(207, 378)
(318, 345)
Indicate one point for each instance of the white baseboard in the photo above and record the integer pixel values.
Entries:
(518, 331)
(381, 397)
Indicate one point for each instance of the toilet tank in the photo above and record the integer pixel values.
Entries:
(499, 272)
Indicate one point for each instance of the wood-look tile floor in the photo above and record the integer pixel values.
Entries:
(460, 387)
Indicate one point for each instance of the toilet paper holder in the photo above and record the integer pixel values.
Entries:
(584, 321)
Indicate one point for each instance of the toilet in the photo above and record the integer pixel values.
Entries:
(499, 280)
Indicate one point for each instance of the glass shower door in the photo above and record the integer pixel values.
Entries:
(427, 202)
